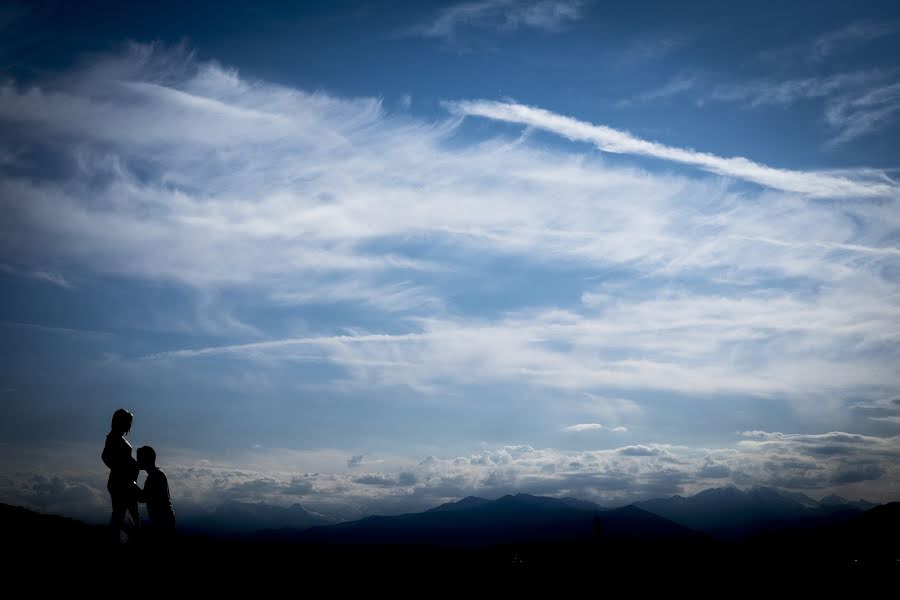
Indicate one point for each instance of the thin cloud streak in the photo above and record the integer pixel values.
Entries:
(676, 86)
(612, 140)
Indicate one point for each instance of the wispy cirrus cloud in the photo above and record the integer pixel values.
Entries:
(658, 46)
(827, 44)
(505, 15)
(51, 277)
(855, 103)
(143, 197)
(39, 274)
(674, 87)
(771, 92)
(858, 115)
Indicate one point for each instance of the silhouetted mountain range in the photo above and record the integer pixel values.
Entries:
(731, 513)
(519, 519)
(838, 502)
(247, 517)
(725, 513)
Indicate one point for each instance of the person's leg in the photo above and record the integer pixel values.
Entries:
(118, 512)
(135, 515)
(119, 509)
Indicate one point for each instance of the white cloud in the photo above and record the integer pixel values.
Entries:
(593, 427)
(549, 15)
(53, 494)
(584, 427)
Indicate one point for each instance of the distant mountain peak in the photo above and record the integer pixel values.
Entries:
(732, 513)
(297, 508)
(530, 500)
(796, 497)
(835, 501)
(465, 503)
(237, 516)
(729, 491)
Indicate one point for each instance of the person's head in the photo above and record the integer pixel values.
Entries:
(146, 457)
(121, 421)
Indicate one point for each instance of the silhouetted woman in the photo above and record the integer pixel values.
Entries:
(123, 471)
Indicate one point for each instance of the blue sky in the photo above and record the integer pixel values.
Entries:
(454, 248)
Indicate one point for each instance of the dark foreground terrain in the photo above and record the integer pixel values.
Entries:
(517, 541)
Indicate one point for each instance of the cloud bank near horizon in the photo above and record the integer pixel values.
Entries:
(813, 464)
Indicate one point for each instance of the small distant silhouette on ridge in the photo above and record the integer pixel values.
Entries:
(156, 495)
(123, 472)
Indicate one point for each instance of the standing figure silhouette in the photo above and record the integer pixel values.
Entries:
(123, 472)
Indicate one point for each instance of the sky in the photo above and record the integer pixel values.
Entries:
(372, 257)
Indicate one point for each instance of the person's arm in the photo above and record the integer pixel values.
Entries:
(117, 454)
(109, 454)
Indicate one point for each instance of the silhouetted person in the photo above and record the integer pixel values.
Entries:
(156, 495)
(123, 471)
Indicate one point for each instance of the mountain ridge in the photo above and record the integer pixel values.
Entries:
(731, 513)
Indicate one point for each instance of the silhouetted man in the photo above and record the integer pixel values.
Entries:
(156, 495)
